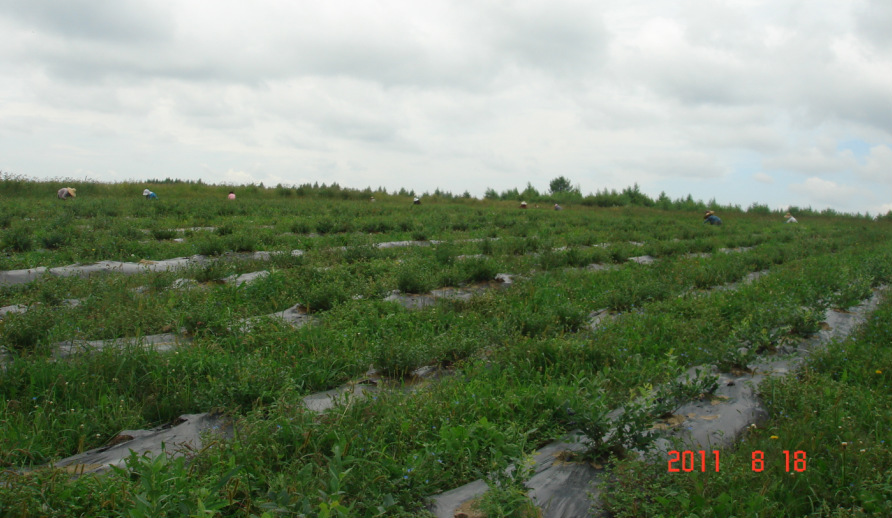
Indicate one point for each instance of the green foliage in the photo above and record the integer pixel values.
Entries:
(689, 388)
(775, 324)
(509, 364)
(511, 502)
(18, 239)
(241, 242)
(507, 496)
(324, 295)
(210, 246)
(163, 233)
(300, 226)
(616, 433)
(398, 359)
(560, 185)
(54, 240)
(166, 489)
(414, 277)
(25, 331)
(834, 412)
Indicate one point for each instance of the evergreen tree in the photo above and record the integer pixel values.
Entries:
(561, 184)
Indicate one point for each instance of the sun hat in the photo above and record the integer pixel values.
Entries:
(146, 192)
(72, 191)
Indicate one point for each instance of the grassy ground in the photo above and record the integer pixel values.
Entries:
(833, 416)
(525, 366)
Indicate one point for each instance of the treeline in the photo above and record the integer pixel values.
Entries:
(633, 197)
(561, 191)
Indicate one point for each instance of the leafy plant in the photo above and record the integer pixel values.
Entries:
(210, 246)
(166, 489)
(163, 233)
(701, 384)
(18, 239)
(241, 242)
(25, 331)
(507, 496)
(54, 240)
(414, 277)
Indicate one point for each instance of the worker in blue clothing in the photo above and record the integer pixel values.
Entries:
(711, 218)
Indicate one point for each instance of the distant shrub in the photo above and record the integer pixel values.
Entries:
(359, 253)
(54, 240)
(460, 225)
(128, 232)
(618, 255)
(576, 257)
(445, 254)
(208, 318)
(212, 271)
(162, 234)
(342, 226)
(757, 208)
(397, 359)
(223, 230)
(285, 192)
(479, 270)
(323, 296)
(626, 297)
(24, 331)
(300, 227)
(209, 246)
(521, 246)
(374, 226)
(18, 239)
(324, 226)
(550, 260)
(241, 242)
(455, 346)
(414, 278)
(556, 316)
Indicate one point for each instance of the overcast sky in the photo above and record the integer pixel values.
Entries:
(781, 102)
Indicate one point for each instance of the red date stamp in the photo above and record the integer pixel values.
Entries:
(687, 461)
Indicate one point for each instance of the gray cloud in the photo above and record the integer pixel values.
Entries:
(873, 19)
(452, 94)
(564, 38)
(681, 164)
(830, 193)
(821, 159)
(878, 166)
(115, 22)
(763, 178)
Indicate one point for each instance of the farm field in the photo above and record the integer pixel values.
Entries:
(602, 307)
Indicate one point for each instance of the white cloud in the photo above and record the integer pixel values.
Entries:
(878, 166)
(874, 17)
(827, 193)
(238, 177)
(453, 95)
(683, 164)
(763, 178)
(813, 160)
